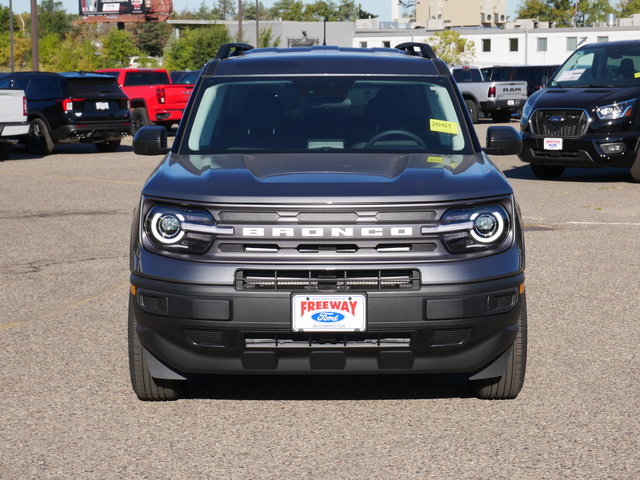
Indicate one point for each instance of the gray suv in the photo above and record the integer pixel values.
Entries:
(326, 210)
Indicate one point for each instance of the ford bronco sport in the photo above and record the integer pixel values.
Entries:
(326, 210)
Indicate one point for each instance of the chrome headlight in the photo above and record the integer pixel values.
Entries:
(182, 229)
(615, 110)
(472, 229)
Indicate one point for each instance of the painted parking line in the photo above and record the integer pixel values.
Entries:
(65, 177)
(10, 325)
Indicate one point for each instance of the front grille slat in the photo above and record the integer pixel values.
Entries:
(559, 123)
(315, 280)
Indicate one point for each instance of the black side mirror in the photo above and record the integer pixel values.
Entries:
(150, 141)
(503, 141)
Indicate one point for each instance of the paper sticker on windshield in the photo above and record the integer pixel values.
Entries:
(435, 160)
(636, 75)
(571, 75)
(444, 126)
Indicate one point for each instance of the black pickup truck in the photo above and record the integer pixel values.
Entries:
(327, 210)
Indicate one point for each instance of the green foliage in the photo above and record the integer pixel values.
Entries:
(298, 11)
(564, 12)
(628, 8)
(195, 47)
(53, 19)
(118, 46)
(265, 38)
(449, 46)
(150, 37)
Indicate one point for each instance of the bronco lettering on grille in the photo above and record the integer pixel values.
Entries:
(327, 232)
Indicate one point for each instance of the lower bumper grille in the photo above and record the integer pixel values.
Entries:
(321, 280)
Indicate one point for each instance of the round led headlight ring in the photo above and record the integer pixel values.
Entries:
(487, 226)
(166, 228)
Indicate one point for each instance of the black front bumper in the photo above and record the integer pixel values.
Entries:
(585, 151)
(187, 328)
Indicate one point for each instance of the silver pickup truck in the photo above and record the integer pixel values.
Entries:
(498, 100)
(13, 119)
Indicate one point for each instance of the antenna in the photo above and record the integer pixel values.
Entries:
(324, 40)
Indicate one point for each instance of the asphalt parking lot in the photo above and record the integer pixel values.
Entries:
(67, 410)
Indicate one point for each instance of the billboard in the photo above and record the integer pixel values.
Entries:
(112, 7)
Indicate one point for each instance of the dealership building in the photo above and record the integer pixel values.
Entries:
(522, 42)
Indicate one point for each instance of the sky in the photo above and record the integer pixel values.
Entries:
(380, 7)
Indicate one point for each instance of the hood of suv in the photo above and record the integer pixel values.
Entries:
(309, 178)
(583, 98)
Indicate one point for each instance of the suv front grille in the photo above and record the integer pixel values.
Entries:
(327, 280)
(568, 123)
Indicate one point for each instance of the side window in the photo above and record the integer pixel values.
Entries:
(486, 44)
(500, 75)
(8, 82)
(542, 44)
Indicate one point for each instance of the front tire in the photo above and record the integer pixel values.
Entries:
(635, 170)
(546, 172)
(507, 386)
(5, 150)
(38, 140)
(473, 110)
(144, 385)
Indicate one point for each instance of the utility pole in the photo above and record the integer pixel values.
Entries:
(240, 20)
(35, 54)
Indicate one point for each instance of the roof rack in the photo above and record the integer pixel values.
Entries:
(232, 50)
(410, 48)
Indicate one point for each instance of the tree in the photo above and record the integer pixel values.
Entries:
(53, 19)
(150, 37)
(195, 47)
(118, 47)
(628, 7)
(287, 10)
(592, 11)
(533, 9)
(449, 46)
(566, 13)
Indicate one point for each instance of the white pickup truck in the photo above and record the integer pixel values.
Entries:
(497, 100)
(13, 119)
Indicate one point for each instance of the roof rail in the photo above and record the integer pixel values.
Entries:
(410, 48)
(232, 50)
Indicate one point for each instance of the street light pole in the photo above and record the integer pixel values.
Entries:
(35, 54)
(11, 34)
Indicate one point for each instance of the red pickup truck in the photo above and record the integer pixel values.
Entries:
(154, 99)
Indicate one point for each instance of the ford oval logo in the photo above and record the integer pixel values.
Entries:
(328, 317)
(556, 119)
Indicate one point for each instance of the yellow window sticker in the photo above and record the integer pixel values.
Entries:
(444, 126)
(636, 75)
(435, 160)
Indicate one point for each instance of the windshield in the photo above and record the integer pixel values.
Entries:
(600, 65)
(326, 114)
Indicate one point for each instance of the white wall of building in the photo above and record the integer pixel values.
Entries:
(538, 46)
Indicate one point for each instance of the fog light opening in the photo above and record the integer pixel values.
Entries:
(612, 148)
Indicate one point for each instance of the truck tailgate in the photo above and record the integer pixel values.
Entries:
(511, 90)
(11, 103)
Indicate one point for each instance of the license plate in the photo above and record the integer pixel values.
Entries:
(553, 144)
(511, 103)
(329, 313)
(102, 105)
